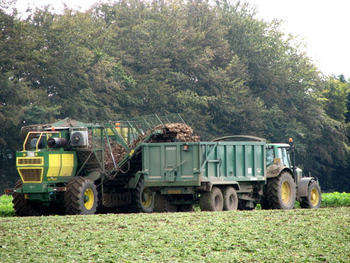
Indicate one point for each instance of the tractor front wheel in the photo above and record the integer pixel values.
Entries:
(81, 197)
(313, 199)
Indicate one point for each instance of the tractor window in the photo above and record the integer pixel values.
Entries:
(43, 142)
(279, 153)
(32, 141)
(269, 156)
(282, 154)
(285, 157)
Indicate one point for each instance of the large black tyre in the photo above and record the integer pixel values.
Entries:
(162, 204)
(264, 204)
(246, 205)
(81, 197)
(230, 199)
(143, 197)
(313, 199)
(281, 192)
(21, 205)
(212, 201)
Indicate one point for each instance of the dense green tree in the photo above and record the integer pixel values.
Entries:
(223, 69)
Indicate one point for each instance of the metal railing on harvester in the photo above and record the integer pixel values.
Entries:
(130, 134)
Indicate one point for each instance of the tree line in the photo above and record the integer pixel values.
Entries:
(225, 70)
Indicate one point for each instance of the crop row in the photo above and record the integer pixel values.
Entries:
(328, 200)
(299, 235)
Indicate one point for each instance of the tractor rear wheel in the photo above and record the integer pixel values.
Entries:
(264, 203)
(81, 197)
(212, 201)
(230, 199)
(143, 197)
(313, 199)
(21, 205)
(281, 192)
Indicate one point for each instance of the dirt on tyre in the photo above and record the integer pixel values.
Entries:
(281, 192)
(81, 197)
(143, 197)
(162, 204)
(313, 199)
(246, 205)
(212, 201)
(230, 199)
(264, 203)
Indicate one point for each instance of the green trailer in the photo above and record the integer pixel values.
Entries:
(224, 175)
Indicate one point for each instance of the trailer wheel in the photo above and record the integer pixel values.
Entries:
(80, 197)
(212, 201)
(144, 197)
(281, 192)
(162, 204)
(246, 205)
(230, 199)
(21, 205)
(313, 199)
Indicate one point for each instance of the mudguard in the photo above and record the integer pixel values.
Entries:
(303, 186)
(134, 180)
(275, 170)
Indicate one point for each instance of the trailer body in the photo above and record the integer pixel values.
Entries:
(182, 173)
(194, 164)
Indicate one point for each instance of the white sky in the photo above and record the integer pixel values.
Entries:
(321, 24)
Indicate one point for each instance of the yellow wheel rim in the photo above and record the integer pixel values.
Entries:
(89, 199)
(146, 198)
(286, 192)
(315, 197)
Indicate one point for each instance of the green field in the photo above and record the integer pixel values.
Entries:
(298, 235)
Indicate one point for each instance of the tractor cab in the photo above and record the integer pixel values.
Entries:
(283, 156)
(279, 151)
(45, 158)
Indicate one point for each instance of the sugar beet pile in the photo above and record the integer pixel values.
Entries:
(171, 132)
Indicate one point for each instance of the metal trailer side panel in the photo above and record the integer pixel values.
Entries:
(190, 164)
(235, 161)
(171, 164)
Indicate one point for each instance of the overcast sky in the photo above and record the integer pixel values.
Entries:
(321, 24)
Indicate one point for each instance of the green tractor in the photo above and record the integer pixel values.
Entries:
(285, 183)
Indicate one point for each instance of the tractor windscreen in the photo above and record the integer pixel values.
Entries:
(36, 141)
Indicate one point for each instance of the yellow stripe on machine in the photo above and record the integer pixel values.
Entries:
(60, 165)
(54, 165)
(67, 164)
